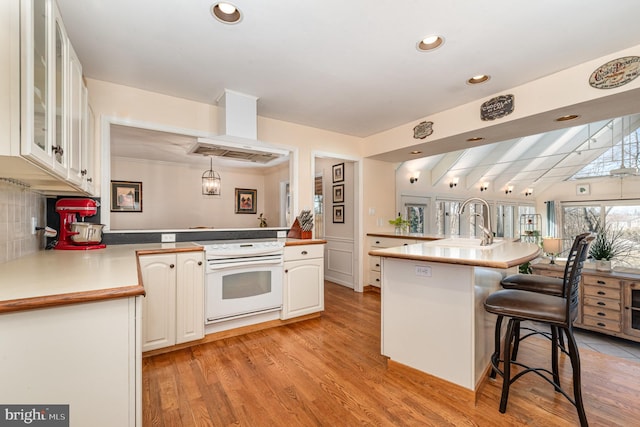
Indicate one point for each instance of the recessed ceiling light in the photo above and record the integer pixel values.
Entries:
(475, 138)
(415, 152)
(567, 117)
(430, 43)
(226, 12)
(480, 78)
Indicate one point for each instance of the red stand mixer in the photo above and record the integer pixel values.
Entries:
(78, 235)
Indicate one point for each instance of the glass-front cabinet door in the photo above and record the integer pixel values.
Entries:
(631, 313)
(43, 46)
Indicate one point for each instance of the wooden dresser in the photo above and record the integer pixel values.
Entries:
(609, 301)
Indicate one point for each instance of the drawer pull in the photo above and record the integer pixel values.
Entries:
(406, 244)
(601, 324)
(377, 280)
(601, 314)
(304, 253)
(601, 303)
(377, 265)
(601, 282)
(171, 265)
(601, 293)
(377, 242)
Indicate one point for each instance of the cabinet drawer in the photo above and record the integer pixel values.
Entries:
(298, 252)
(601, 313)
(548, 273)
(374, 263)
(609, 325)
(389, 242)
(602, 292)
(606, 282)
(602, 303)
(374, 278)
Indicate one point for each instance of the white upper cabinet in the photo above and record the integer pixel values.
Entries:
(53, 133)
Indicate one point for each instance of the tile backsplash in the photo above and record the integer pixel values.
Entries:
(18, 205)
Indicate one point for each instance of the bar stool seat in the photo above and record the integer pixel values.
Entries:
(534, 283)
(527, 305)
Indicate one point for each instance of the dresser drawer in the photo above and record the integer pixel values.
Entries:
(374, 263)
(605, 282)
(601, 313)
(602, 303)
(604, 324)
(601, 292)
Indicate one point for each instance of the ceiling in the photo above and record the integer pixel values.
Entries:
(352, 66)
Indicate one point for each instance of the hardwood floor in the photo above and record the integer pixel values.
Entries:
(329, 372)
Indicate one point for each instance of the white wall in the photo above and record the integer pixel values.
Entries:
(172, 196)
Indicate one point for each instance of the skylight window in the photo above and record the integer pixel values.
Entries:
(624, 153)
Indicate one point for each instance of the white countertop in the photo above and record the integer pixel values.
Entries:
(502, 254)
(50, 273)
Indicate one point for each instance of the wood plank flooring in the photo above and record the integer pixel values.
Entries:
(329, 372)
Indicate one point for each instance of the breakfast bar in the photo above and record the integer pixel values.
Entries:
(433, 318)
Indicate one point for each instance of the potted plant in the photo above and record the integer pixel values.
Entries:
(608, 245)
(402, 225)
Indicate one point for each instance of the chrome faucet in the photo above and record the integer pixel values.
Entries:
(487, 233)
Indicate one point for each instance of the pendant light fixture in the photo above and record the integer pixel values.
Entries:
(211, 181)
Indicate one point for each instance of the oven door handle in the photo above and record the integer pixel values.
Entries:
(235, 265)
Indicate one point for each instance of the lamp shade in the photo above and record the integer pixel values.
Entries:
(552, 245)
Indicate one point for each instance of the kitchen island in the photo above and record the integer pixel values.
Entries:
(433, 318)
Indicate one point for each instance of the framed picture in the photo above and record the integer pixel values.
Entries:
(338, 214)
(582, 190)
(338, 193)
(126, 196)
(338, 172)
(246, 201)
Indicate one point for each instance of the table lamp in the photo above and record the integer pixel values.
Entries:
(552, 246)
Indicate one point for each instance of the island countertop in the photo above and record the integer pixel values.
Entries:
(502, 254)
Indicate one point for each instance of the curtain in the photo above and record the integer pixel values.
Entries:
(551, 219)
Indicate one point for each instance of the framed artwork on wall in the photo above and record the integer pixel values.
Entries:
(126, 196)
(338, 172)
(338, 193)
(338, 214)
(246, 201)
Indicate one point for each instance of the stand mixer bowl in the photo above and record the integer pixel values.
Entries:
(86, 233)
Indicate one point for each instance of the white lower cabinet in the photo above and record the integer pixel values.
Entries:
(303, 291)
(173, 308)
(83, 355)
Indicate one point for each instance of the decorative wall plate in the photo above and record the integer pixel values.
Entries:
(615, 73)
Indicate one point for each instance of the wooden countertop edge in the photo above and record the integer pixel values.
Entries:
(33, 303)
(168, 250)
(302, 242)
(458, 261)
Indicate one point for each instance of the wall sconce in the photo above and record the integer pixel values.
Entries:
(484, 186)
(415, 177)
(509, 189)
(528, 192)
(453, 183)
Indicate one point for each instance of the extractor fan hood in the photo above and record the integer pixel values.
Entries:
(237, 120)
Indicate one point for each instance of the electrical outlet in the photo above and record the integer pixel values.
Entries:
(168, 238)
(34, 224)
(281, 234)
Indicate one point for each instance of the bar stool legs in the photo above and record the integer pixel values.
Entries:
(513, 327)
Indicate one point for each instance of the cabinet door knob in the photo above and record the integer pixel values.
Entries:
(286, 271)
(199, 262)
(171, 265)
(89, 179)
(304, 253)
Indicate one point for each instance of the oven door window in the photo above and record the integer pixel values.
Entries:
(246, 284)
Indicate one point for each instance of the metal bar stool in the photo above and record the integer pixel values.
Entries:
(557, 312)
(544, 285)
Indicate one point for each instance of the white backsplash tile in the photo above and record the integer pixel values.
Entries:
(18, 204)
